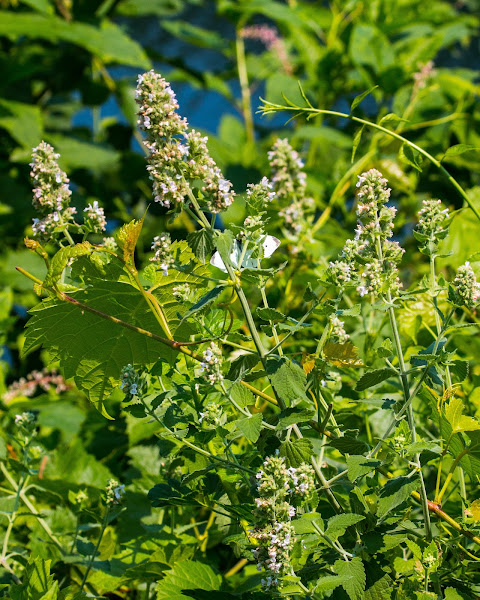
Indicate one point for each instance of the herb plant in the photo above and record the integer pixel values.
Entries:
(307, 443)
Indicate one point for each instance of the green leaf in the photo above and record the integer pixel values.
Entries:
(224, 243)
(250, 426)
(355, 571)
(22, 121)
(242, 365)
(459, 149)
(348, 445)
(61, 260)
(90, 348)
(338, 524)
(241, 395)
(457, 420)
(187, 575)
(296, 452)
(359, 98)
(375, 377)
(127, 239)
(80, 154)
(356, 142)
(36, 582)
(205, 300)
(412, 157)
(288, 378)
(395, 492)
(201, 242)
(270, 314)
(391, 118)
(453, 594)
(329, 582)
(295, 416)
(172, 493)
(3, 449)
(106, 40)
(460, 369)
(360, 465)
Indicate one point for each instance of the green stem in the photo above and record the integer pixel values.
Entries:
(245, 89)
(271, 107)
(92, 557)
(406, 393)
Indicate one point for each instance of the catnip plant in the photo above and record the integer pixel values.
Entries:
(329, 453)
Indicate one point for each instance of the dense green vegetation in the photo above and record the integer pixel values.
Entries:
(247, 351)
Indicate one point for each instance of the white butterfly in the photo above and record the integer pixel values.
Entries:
(269, 245)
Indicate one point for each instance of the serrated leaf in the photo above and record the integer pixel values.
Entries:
(187, 575)
(360, 465)
(329, 582)
(342, 355)
(37, 582)
(172, 493)
(356, 141)
(107, 40)
(241, 395)
(355, 571)
(205, 301)
(353, 311)
(348, 445)
(395, 492)
(242, 365)
(294, 416)
(391, 118)
(250, 427)
(475, 509)
(460, 369)
(296, 452)
(453, 594)
(201, 242)
(308, 363)
(360, 97)
(459, 149)
(224, 242)
(84, 548)
(457, 420)
(375, 377)
(91, 349)
(412, 157)
(127, 239)
(61, 259)
(287, 377)
(270, 314)
(338, 524)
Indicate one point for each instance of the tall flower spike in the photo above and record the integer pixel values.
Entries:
(178, 157)
(289, 183)
(51, 194)
(466, 284)
(370, 260)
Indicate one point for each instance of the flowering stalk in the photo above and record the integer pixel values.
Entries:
(270, 107)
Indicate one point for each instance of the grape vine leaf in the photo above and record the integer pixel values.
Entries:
(187, 575)
(457, 420)
(90, 348)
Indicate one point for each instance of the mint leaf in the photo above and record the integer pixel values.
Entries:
(360, 465)
(296, 452)
(395, 492)
(287, 378)
(355, 571)
(374, 378)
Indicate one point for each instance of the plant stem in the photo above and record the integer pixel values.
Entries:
(271, 107)
(245, 89)
(92, 557)
(406, 393)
